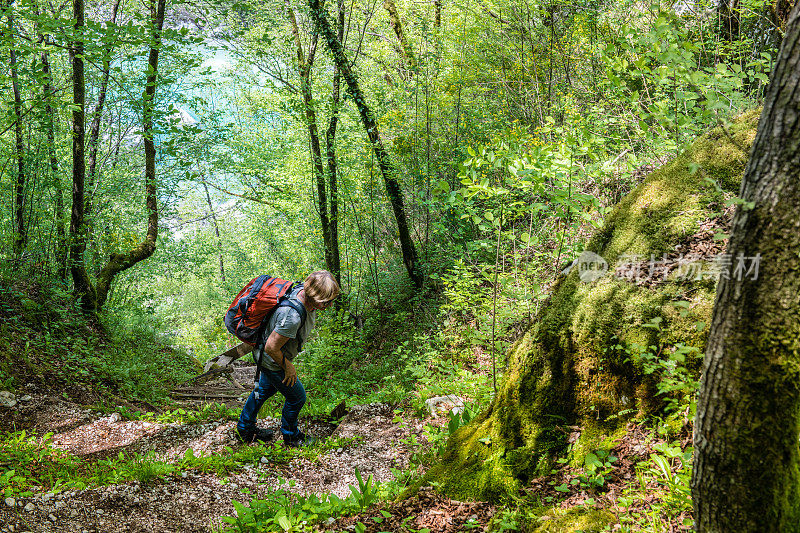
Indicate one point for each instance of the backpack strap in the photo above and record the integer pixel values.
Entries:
(301, 310)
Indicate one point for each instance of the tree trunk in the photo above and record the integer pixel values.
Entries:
(406, 51)
(304, 65)
(728, 17)
(84, 289)
(20, 229)
(392, 186)
(330, 155)
(60, 248)
(92, 298)
(97, 116)
(746, 474)
(120, 262)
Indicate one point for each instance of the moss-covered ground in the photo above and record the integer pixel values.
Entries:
(580, 363)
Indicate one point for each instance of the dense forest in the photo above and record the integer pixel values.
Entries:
(564, 234)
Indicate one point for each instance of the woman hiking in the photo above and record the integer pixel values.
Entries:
(286, 331)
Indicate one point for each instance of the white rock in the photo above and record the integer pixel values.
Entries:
(29, 507)
(441, 404)
(26, 398)
(11, 502)
(100, 511)
(46, 496)
(52, 517)
(7, 399)
(264, 460)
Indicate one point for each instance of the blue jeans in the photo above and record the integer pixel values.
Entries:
(270, 382)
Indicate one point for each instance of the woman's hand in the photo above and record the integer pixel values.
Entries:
(291, 374)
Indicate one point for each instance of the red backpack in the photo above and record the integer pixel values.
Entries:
(247, 316)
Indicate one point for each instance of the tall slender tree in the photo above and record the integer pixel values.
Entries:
(388, 171)
(746, 475)
(20, 227)
(93, 296)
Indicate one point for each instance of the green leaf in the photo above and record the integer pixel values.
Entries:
(284, 523)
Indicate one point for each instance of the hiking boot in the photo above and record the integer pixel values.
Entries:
(298, 441)
(257, 435)
(263, 435)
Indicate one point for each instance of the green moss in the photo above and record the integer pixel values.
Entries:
(567, 369)
(593, 437)
(578, 519)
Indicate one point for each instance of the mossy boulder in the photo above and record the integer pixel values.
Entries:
(574, 367)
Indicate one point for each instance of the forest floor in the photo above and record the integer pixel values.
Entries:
(369, 438)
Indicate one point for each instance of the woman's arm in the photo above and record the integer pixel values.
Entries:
(273, 346)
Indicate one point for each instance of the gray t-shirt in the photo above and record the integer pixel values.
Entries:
(286, 321)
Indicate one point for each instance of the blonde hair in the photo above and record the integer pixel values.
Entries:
(321, 286)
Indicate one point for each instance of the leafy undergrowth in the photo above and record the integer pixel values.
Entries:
(46, 341)
(638, 482)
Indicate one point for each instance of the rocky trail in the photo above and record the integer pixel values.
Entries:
(366, 438)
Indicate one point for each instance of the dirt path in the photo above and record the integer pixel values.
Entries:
(191, 501)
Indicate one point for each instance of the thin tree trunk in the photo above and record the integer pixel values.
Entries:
(304, 66)
(84, 289)
(120, 262)
(20, 228)
(392, 186)
(49, 118)
(406, 50)
(728, 16)
(746, 475)
(330, 153)
(97, 116)
(216, 232)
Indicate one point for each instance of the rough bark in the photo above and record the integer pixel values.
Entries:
(123, 261)
(746, 475)
(368, 121)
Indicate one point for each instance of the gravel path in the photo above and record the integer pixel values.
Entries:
(192, 501)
